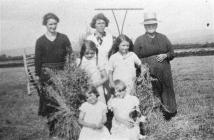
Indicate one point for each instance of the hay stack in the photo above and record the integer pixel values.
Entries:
(67, 90)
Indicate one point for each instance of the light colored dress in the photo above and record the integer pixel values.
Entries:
(93, 114)
(124, 106)
(103, 49)
(123, 68)
(93, 70)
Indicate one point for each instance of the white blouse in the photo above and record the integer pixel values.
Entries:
(103, 49)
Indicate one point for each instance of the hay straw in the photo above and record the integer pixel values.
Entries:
(66, 90)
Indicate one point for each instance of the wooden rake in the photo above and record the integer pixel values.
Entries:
(120, 31)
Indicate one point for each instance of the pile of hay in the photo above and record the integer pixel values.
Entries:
(145, 94)
(68, 90)
(149, 103)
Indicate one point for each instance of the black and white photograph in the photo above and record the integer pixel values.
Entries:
(106, 70)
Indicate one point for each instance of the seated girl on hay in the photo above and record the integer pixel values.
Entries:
(127, 117)
(92, 117)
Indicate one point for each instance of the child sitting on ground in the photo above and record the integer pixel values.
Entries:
(92, 117)
(123, 126)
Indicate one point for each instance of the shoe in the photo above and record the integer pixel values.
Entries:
(168, 116)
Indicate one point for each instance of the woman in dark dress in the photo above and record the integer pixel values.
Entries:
(51, 51)
(156, 50)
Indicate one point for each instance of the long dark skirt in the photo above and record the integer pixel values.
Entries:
(167, 96)
(46, 103)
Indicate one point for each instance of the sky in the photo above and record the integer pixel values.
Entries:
(21, 20)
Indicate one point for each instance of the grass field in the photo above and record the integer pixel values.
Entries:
(18, 114)
(194, 87)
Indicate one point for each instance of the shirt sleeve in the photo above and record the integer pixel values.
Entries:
(170, 53)
(111, 64)
(83, 107)
(136, 59)
(38, 58)
(69, 49)
(138, 48)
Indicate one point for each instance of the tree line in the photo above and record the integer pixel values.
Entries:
(4, 57)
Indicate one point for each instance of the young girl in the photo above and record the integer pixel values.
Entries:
(122, 63)
(123, 127)
(89, 62)
(92, 117)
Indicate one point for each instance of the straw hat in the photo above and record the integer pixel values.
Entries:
(150, 18)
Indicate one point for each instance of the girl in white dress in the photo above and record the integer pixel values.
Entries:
(92, 117)
(123, 127)
(89, 62)
(122, 63)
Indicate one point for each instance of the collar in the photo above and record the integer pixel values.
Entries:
(102, 35)
(85, 59)
(149, 36)
(124, 56)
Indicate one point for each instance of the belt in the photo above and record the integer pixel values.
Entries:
(53, 65)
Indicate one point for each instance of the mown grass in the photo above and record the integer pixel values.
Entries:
(194, 88)
(18, 113)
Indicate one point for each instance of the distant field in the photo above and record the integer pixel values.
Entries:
(11, 63)
(194, 87)
(194, 52)
(181, 50)
(191, 46)
(178, 53)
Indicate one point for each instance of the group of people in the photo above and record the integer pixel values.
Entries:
(111, 66)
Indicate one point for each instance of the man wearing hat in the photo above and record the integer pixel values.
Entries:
(156, 50)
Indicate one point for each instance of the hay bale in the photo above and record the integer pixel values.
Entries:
(67, 90)
(145, 94)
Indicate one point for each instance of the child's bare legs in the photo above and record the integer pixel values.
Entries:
(101, 93)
